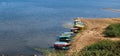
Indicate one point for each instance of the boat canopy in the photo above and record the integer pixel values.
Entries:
(64, 35)
(61, 43)
(67, 33)
(79, 24)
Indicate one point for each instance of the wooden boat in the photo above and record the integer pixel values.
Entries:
(65, 38)
(61, 45)
(75, 30)
(78, 24)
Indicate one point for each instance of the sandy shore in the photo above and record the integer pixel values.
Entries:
(92, 34)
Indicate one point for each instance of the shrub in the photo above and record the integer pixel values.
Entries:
(102, 48)
(112, 30)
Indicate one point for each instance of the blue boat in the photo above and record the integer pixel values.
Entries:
(65, 38)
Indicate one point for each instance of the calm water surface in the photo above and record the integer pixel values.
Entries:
(28, 24)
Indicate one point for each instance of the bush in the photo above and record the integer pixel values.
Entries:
(102, 48)
(112, 30)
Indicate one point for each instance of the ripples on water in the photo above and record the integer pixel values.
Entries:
(27, 24)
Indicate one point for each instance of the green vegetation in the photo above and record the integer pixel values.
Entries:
(101, 48)
(112, 30)
(49, 52)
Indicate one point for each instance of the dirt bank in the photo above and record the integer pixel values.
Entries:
(92, 34)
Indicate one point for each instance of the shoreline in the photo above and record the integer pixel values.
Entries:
(92, 34)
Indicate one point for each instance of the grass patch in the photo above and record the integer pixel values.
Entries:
(102, 48)
(112, 30)
(50, 52)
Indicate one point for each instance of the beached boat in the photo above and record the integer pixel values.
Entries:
(71, 34)
(61, 45)
(65, 38)
(75, 30)
(78, 24)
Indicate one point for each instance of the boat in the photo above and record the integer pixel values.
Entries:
(71, 34)
(65, 38)
(75, 30)
(78, 24)
(61, 45)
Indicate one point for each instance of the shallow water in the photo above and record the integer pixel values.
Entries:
(28, 24)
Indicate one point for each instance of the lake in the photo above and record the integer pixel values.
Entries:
(29, 24)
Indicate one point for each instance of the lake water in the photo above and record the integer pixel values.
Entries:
(29, 24)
